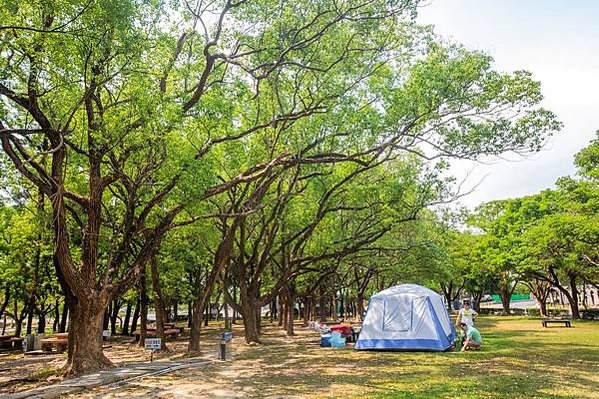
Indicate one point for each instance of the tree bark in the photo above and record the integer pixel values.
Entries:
(85, 337)
(125, 329)
(477, 296)
(116, 307)
(307, 311)
(158, 302)
(64, 318)
(143, 305)
(196, 325)
(135, 317)
(322, 306)
(56, 321)
(574, 297)
(41, 323)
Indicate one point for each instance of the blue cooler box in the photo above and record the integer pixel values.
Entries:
(325, 340)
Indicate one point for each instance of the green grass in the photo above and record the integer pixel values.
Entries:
(520, 359)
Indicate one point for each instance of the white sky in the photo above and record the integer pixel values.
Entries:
(558, 41)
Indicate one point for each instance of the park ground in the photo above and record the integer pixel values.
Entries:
(520, 359)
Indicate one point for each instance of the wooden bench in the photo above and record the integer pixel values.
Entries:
(565, 322)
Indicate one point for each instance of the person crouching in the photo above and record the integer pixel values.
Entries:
(473, 339)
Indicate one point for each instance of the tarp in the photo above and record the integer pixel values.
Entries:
(406, 317)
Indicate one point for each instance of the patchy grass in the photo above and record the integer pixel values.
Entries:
(520, 359)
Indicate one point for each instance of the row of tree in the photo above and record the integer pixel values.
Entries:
(545, 241)
(249, 149)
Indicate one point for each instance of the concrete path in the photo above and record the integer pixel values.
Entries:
(115, 376)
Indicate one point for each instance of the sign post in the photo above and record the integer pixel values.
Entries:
(224, 340)
(152, 344)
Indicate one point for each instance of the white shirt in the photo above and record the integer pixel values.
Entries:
(467, 316)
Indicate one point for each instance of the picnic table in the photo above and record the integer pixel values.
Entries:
(565, 322)
(10, 342)
(58, 341)
(151, 332)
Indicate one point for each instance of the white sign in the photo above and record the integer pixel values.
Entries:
(106, 333)
(152, 343)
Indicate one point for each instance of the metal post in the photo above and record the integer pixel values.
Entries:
(222, 354)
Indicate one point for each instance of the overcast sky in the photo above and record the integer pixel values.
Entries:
(558, 41)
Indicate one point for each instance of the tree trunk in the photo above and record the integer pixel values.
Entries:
(116, 307)
(307, 310)
(280, 312)
(85, 338)
(478, 297)
(5, 303)
(290, 313)
(250, 324)
(106, 319)
(64, 318)
(574, 298)
(158, 303)
(505, 301)
(322, 305)
(41, 322)
(143, 305)
(543, 307)
(228, 326)
(125, 329)
(196, 325)
(30, 307)
(360, 306)
(56, 321)
(135, 316)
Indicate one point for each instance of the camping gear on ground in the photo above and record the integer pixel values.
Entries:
(325, 340)
(346, 331)
(406, 317)
(337, 341)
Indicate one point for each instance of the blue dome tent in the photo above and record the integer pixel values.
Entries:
(406, 317)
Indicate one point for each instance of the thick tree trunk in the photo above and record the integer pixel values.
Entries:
(250, 323)
(195, 329)
(85, 338)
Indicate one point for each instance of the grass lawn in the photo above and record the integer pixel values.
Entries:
(520, 359)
